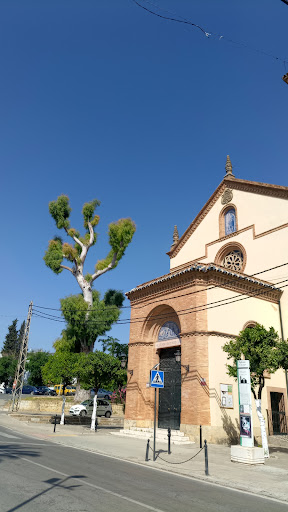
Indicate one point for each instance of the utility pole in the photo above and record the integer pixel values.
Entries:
(19, 375)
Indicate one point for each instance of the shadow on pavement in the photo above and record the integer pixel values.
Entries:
(53, 483)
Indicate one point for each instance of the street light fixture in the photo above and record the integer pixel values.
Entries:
(177, 355)
(124, 363)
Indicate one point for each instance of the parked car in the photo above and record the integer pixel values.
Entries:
(104, 408)
(8, 390)
(30, 390)
(44, 390)
(103, 393)
(69, 390)
(2, 391)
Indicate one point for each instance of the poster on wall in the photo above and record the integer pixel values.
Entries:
(245, 425)
(245, 403)
(226, 396)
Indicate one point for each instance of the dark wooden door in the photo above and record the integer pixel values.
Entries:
(279, 420)
(169, 411)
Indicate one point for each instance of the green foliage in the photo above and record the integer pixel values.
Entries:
(260, 347)
(88, 278)
(120, 236)
(114, 298)
(60, 211)
(85, 324)
(11, 345)
(54, 255)
(114, 348)
(73, 232)
(34, 365)
(283, 354)
(21, 333)
(64, 344)
(88, 212)
(69, 252)
(8, 365)
(59, 369)
(97, 369)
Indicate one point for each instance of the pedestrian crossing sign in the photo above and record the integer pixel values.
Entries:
(157, 379)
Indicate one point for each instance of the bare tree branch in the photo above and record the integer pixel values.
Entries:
(109, 267)
(67, 268)
(91, 231)
(76, 240)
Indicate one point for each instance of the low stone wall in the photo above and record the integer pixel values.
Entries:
(38, 405)
(118, 410)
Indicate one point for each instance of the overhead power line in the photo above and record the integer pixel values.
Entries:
(195, 309)
(154, 301)
(220, 37)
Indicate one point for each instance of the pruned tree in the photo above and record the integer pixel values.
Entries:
(85, 323)
(98, 369)
(261, 348)
(60, 369)
(120, 236)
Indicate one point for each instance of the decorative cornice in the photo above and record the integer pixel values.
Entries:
(233, 183)
(190, 334)
(204, 274)
(208, 333)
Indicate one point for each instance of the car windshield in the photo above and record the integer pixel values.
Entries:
(86, 402)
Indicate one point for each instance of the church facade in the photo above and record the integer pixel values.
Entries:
(227, 272)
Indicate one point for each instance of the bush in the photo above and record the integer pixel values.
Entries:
(119, 396)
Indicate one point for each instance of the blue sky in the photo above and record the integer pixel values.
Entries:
(102, 99)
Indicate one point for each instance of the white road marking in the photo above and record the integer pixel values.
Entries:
(116, 494)
(8, 435)
(162, 470)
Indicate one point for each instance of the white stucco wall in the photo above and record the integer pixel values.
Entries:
(218, 375)
(264, 212)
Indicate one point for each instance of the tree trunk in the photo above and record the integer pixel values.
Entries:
(81, 394)
(262, 426)
(94, 413)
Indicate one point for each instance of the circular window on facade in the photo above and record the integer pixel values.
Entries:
(233, 260)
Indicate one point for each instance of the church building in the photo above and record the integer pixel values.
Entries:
(228, 271)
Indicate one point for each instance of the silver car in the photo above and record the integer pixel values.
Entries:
(104, 408)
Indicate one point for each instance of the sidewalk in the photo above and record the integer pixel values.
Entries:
(269, 480)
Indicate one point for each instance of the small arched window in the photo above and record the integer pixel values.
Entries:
(230, 221)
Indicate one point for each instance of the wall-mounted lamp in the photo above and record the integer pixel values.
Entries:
(123, 364)
(177, 355)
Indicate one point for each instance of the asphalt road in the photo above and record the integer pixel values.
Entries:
(38, 476)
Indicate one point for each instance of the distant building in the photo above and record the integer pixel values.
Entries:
(235, 249)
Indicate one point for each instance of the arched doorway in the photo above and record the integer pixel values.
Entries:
(169, 411)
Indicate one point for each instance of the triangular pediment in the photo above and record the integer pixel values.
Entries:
(230, 183)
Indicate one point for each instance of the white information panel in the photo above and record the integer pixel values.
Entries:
(245, 403)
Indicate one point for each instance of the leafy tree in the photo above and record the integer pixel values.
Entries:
(21, 334)
(120, 236)
(8, 366)
(84, 323)
(11, 343)
(97, 369)
(34, 365)
(60, 369)
(114, 347)
(261, 348)
(283, 354)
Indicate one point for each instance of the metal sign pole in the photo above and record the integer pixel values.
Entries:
(154, 439)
